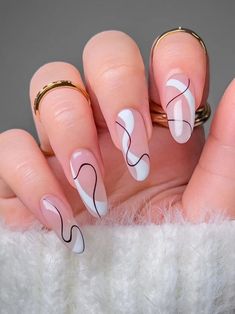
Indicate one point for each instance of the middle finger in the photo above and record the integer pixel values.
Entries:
(115, 76)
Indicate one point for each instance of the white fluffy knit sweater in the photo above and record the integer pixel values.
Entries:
(175, 267)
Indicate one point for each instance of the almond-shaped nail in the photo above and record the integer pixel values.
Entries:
(180, 107)
(60, 219)
(133, 142)
(89, 183)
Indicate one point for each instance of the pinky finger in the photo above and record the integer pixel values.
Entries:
(25, 170)
(14, 213)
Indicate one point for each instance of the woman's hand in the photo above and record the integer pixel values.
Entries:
(110, 151)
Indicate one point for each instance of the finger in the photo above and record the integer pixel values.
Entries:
(67, 119)
(115, 75)
(212, 184)
(25, 170)
(179, 80)
(5, 190)
(15, 214)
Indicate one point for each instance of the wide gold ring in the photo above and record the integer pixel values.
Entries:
(57, 84)
(158, 115)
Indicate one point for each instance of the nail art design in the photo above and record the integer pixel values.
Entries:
(62, 222)
(89, 182)
(180, 107)
(134, 142)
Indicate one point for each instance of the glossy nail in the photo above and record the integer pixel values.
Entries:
(88, 180)
(180, 107)
(61, 220)
(133, 142)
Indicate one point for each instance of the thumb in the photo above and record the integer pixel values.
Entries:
(212, 184)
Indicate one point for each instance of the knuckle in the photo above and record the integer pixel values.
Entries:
(118, 71)
(23, 168)
(67, 113)
(11, 135)
(26, 171)
(16, 157)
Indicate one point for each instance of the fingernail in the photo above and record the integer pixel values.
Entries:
(180, 107)
(88, 180)
(60, 219)
(133, 142)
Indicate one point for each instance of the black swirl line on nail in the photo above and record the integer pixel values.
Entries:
(183, 121)
(95, 185)
(128, 148)
(178, 95)
(71, 228)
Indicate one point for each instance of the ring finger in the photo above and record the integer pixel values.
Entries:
(179, 79)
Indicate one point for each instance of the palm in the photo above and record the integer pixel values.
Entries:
(171, 167)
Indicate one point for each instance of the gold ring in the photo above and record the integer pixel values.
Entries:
(158, 115)
(48, 88)
(177, 30)
(57, 84)
(46, 153)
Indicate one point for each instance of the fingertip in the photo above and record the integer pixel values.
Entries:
(223, 124)
(230, 90)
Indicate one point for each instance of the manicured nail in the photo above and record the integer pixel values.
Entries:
(133, 142)
(60, 219)
(88, 180)
(180, 107)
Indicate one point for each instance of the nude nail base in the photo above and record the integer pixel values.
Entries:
(89, 183)
(60, 219)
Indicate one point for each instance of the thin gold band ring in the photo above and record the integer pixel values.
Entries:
(158, 115)
(177, 30)
(57, 84)
(49, 87)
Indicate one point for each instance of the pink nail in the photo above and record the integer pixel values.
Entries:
(133, 142)
(88, 180)
(61, 220)
(180, 107)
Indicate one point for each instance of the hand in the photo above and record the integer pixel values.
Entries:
(88, 140)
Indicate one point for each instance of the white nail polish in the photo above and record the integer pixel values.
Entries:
(180, 107)
(133, 142)
(89, 182)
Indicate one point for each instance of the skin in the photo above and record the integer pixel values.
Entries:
(115, 79)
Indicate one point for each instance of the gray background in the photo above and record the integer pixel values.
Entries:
(35, 32)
